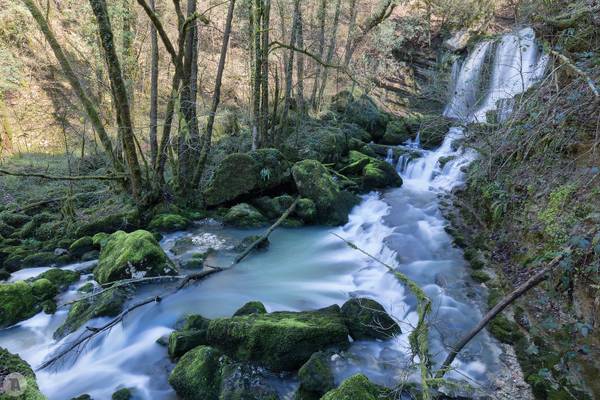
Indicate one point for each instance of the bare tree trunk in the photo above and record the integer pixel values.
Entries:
(154, 90)
(120, 95)
(256, 74)
(382, 12)
(330, 52)
(289, 69)
(88, 105)
(300, 61)
(216, 99)
(319, 68)
(6, 134)
(264, 124)
(351, 29)
(127, 58)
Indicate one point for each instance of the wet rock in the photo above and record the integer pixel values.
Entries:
(83, 397)
(316, 377)
(106, 304)
(358, 387)
(126, 221)
(169, 223)
(315, 182)
(396, 133)
(122, 394)
(62, 278)
(244, 215)
(244, 381)
(132, 255)
(82, 245)
(252, 307)
(60, 252)
(458, 41)
(367, 319)
(196, 261)
(13, 364)
(197, 375)
(281, 341)
(87, 288)
(22, 300)
(370, 172)
(274, 168)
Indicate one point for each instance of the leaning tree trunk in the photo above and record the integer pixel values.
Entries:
(153, 90)
(330, 53)
(119, 94)
(86, 101)
(318, 67)
(216, 99)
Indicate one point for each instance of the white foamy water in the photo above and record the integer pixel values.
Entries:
(309, 268)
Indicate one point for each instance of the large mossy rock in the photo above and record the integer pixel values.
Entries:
(245, 216)
(62, 278)
(132, 255)
(369, 172)
(315, 182)
(317, 140)
(280, 341)
(192, 334)
(363, 112)
(244, 173)
(22, 300)
(197, 375)
(316, 376)
(13, 364)
(396, 132)
(252, 307)
(358, 387)
(242, 381)
(106, 304)
(169, 223)
(82, 245)
(127, 221)
(367, 319)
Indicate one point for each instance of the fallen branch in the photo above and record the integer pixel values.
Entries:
(537, 278)
(577, 70)
(57, 200)
(265, 235)
(419, 336)
(64, 177)
(94, 331)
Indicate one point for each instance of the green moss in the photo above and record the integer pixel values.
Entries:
(169, 223)
(82, 246)
(41, 259)
(306, 210)
(396, 133)
(315, 375)
(252, 307)
(132, 255)
(5, 229)
(10, 363)
(281, 341)
(316, 183)
(274, 169)
(196, 261)
(180, 342)
(106, 304)
(480, 276)
(358, 387)
(552, 216)
(236, 175)
(87, 288)
(197, 375)
(14, 219)
(244, 215)
(122, 394)
(17, 303)
(110, 223)
(504, 330)
(62, 278)
(43, 289)
(367, 319)
(100, 239)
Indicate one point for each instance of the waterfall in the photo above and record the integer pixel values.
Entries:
(495, 71)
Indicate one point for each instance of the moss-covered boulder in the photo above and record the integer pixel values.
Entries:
(62, 278)
(169, 223)
(244, 173)
(43, 289)
(252, 307)
(17, 303)
(358, 387)
(13, 364)
(82, 246)
(396, 132)
(315, 182)
(370, 173)
(192, 334)
(107, 304)
(132, 255)
(43, 259)
(367, 319)
(241, 381)
(122, 394)
(281, 341)
(363, 112)
(244, 215)
(14, 219)
(126, 221)
(197, 375)
(316, 376)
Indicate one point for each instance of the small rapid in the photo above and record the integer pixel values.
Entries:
(309, 268)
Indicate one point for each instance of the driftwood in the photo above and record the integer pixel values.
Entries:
(94, 331)
(265, 235)
(537, 278)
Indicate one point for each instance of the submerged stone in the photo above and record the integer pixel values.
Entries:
(132, 255)
(367, 319)
(122, 394)
(106, 304)
(281, 341)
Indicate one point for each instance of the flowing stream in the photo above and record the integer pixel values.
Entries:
(309, 268)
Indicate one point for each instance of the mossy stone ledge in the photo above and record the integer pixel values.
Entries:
(367, 319)
(358, 387)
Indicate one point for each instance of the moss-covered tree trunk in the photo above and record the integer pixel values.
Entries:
(153, 135)
(119, 89)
